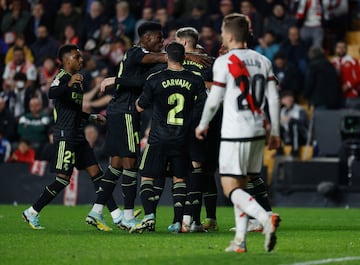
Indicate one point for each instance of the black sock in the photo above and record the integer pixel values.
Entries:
(159, 184)
(179, 194)
(107, 185)
(129, 187)
(257, 188)
(148, 196)
(195, 194)
(111, 204)
(210, 197)
(50, 192)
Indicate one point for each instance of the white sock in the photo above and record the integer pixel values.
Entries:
(249, 205)
(116, 214)
(187, 219)
(241, 222)
(129, 214)
(98, 208)
(33, 211)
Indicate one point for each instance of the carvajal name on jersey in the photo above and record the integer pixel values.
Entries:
(176, 82)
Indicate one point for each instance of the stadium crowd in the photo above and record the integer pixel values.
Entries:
(297, 36)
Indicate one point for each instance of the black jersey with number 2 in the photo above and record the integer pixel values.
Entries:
(177, 97)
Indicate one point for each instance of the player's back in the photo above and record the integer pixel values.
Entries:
(246, 74)
(175, 94)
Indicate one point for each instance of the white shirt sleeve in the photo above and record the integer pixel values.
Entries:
(274, 107)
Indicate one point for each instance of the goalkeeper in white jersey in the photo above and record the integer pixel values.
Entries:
(243, 79)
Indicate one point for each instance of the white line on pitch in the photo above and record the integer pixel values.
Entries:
(325, 261)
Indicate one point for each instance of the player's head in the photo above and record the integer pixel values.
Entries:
(70, 57)
(235, 28)
(151, 37)
(188, 36)
(175, 52)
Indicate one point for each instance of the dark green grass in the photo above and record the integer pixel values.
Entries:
(304, 235)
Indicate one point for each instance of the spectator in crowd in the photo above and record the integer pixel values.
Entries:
(16, 20)
(209, 40)
(19, 64)
(96, 142)
(7, 121)
(5, 148)
(37, 18)
(335, 21)
(19, 42)
(24, 153)
(17, 95)
(47, 72)
(183, 9)
(198, 18)
(279, 22)
(34, 125)
(49, 149)
(70, 36)
(321, 82)
(92, 22)
(309, 16)
(293, 122)
(66, 16)
(267, 45)
(4, 47)
(44, 46)
(226, 8)
(123, 22)
(117, 53)
(166, 22)
(295, 49)
(147, 15)
(287, 75)
(171, 34)
(348, 69)
(247, 9)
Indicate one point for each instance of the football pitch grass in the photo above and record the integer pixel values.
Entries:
(306, 236)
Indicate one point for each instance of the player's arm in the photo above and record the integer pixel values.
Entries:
(145, 99)
(58, 87)
(274, 111)
(212, 104)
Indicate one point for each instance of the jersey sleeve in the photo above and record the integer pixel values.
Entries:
(59, 86)
(146, 97)
(220, 71)
(274, 102)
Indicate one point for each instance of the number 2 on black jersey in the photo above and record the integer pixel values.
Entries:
(178, 100)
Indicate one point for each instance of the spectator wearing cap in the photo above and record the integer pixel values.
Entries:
(293, 122)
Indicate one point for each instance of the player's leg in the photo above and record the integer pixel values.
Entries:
(210, 199)
(129, 152)
(63, 166)
(178, 164)
(104, 193)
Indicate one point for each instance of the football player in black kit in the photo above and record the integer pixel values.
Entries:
(122, 139)
(73, 150)
(177, 97)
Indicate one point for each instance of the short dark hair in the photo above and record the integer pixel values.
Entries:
(238, 25)
(189, 33)
(67, 48)
(176, 52)
(149, 27)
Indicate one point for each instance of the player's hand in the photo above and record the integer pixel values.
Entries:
(202, 59)
(97, 118)
(274, 142)
(106, 82)
(76, 78)
(200, 134)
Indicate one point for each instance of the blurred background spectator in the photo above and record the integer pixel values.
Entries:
(23, 153)
(7, 121)
(5, 148)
